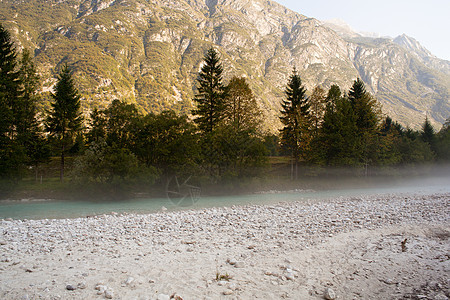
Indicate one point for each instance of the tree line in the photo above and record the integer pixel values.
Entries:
(222, 140)
(348, 129)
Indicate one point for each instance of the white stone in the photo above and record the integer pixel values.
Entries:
(109, 294)
(329, 294)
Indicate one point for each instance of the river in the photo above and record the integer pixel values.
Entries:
(55, 209)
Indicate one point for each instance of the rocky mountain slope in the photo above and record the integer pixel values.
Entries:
(150, 51)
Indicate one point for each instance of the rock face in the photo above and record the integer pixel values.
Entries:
(150, 52)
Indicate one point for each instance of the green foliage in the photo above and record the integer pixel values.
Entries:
(365, 107)
(317, 102)
(231, 153)
(428, 134)
(121, 125)
(338, 145)
(295, 116)
(443, 142)
(21, 140)
(241, 108)
(211, 93)
(107, 164)
(167, 142)
(10, 89)
(64, 120)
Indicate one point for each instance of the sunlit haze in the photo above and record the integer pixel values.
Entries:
(426, 21)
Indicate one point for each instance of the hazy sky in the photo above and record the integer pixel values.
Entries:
(428, 21)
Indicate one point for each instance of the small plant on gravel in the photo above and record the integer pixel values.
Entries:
(404, 245)
(225, 276)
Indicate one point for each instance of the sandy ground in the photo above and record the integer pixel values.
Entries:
(377, 247)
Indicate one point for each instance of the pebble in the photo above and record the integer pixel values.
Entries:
(227, 292)
(289, 276)
(175, 296)
(101, 289)
(109, 294)
(81, 285)
(440, 296)
(212, 229)
(129, 281)
(70, 287)
(329, 294)
(163, 297)
(222, 282)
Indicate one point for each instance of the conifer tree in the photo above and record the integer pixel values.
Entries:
(338, 141)
(367, 113)
(12, 153)
(365, 107)
(9, 85)
(296, 120)
(334, 94)
(211, 93)
(64, 119)
(29, 131)
(443, 142)
(428, 134)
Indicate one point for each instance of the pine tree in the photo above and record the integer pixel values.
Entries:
(368, 115)
(334, 95)
(365, 107)
(9, 84)
(211, 93)
(295, 117)
(29, 79)
(443, 142)
(12, 153)
(29, 130)
(64, 119)
(428, 134)
(338, 141)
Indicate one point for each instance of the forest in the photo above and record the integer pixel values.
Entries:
(223, 141)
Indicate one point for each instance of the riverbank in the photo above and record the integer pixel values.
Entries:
(390, 246)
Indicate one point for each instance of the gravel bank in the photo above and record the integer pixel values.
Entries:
(375, 247)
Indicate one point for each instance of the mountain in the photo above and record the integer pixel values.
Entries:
(150, 51)
(423, 54)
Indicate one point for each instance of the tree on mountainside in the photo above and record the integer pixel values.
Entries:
(295, 116)
(210, 97)
(64, 119)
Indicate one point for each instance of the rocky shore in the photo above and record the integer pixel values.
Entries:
(391, 246)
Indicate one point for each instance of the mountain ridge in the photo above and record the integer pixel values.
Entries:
(149, 52)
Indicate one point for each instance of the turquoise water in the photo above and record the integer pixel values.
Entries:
(72, 209)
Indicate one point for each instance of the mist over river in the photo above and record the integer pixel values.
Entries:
(57, 209)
